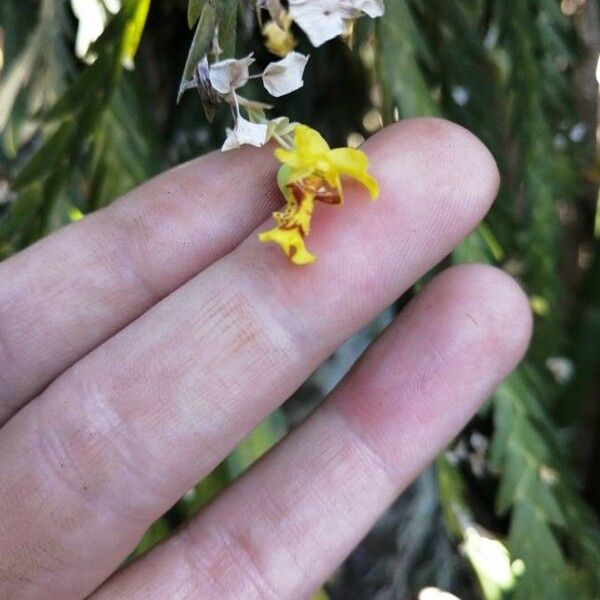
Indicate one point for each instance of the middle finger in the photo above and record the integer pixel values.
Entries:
(127, 430)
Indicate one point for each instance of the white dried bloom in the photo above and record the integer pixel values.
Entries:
(245, 132)
(285, 76)
(323, 20)
(231, 74)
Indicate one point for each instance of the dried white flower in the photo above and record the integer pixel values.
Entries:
(231, 74)
(245, 132)
(284, 76)
(323, 20)
(218, 83)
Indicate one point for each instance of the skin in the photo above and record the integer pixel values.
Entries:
(138, 346)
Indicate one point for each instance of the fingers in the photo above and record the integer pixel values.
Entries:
(125, 432)
(71, 291)
(285, 526)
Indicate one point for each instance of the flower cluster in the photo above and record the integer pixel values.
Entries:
(311, 171)
(321, 20)
(220, 81)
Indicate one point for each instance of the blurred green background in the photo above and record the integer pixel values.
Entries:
(511, 509)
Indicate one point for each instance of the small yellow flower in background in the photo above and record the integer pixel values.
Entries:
(539, 305)
(279, 40)
(312, 172)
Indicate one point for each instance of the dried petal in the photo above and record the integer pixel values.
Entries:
(228, 75)
(285, 76)
(245, 132)
(323, 20)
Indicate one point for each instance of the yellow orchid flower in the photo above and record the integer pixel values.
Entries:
(311, 155)
(311, 172)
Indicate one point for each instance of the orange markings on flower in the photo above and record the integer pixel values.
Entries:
(311, 172)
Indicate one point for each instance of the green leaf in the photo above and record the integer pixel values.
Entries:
(20, 213)
(47, 157)
(227, 18)
(84, 86)
(400, 47)
(194, 11)
(532, 541)
(15, 79)
(200, 44)
(157, 532)
(264, 437)
(514, 479)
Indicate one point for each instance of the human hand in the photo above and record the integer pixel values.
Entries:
(138, 346)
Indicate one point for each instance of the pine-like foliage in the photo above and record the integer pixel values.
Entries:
(76, 135)
(503, 70)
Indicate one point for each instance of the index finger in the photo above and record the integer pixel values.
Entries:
(70, 292)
